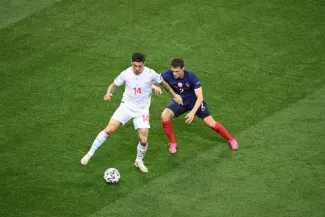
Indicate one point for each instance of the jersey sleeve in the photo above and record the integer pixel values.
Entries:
(195, 82)
(164, 76)
(156, 77)
(120, 79)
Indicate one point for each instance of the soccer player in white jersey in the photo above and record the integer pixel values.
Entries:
(134, 105)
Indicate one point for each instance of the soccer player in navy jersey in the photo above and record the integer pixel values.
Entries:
(186, 84)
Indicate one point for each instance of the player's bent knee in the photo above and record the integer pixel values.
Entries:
(143, 141)
(166, 115)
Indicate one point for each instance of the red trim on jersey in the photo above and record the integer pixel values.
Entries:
(185, 88)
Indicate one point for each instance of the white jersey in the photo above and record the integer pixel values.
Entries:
(138, 88)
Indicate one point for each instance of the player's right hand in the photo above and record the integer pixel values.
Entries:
(177, 98)
(108, 96)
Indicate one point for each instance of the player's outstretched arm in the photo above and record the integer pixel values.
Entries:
(110, 91)
(175, 96)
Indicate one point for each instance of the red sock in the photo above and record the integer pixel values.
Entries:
(222, 131)
(168, 128)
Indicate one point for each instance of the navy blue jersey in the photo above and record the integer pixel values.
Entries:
(185, 86)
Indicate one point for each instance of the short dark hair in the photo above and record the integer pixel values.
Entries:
(177, 62)
(138, 57)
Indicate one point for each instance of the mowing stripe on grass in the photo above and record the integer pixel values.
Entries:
(279, 171)
(14, 11)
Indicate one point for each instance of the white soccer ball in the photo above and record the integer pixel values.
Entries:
(112, 176)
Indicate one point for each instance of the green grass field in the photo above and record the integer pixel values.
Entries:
(262, 68)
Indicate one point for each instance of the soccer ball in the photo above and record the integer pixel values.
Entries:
(112, 176)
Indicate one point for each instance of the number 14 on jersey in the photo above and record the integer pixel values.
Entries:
(137, 90)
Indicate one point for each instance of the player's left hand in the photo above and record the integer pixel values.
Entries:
(157, 90)
(189, 118)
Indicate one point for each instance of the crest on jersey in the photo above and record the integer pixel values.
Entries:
(180, 85)
(187, 84)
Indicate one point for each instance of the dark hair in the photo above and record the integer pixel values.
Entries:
(177, 62)
(138, 57)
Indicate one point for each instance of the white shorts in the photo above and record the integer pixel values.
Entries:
(140, 117)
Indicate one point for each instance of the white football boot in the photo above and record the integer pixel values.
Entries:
(84, 161)
(141, 166)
